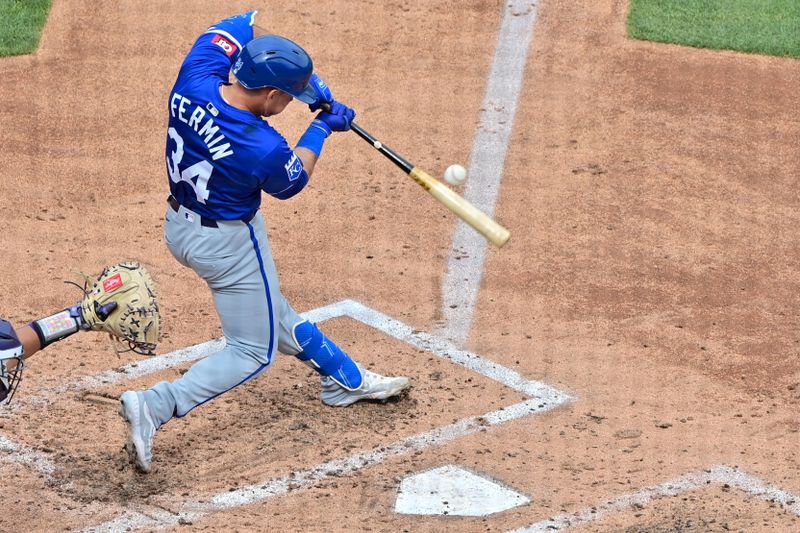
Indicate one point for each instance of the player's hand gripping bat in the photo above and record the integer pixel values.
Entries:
(470, 214)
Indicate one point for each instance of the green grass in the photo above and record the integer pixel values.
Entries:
(757, 26)
(21, 23)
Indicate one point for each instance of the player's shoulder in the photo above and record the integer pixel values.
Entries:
(272, 134)
(215, 50)
(269, 139)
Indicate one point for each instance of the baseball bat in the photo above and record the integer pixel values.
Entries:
(480, 221)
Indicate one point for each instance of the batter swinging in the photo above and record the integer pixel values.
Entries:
(220, 155)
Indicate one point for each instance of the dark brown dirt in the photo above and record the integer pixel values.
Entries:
(654, 269)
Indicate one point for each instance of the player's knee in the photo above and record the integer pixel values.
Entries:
(260, 353)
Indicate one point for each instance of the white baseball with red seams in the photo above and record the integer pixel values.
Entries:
(455, 174)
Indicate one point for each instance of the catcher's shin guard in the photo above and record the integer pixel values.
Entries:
(11, 362)
(321, 354)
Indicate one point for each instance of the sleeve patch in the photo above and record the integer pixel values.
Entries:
(294, 167)
(227, 46)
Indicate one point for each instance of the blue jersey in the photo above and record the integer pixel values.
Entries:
(220, 158)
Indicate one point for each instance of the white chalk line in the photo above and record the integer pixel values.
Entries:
(718, 475)
(259, 492)
(543, 398)
(486, 165)
(17, 453)
(447, 350)
(151, 365)
(437, 436)
(759, 489)
(345, 308)
(146, 518)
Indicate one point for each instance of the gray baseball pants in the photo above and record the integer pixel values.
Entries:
(236, 261)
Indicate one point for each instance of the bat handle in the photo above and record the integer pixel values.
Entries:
(393, 156)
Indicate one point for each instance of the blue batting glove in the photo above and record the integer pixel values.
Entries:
(338, 118)
(323, 92)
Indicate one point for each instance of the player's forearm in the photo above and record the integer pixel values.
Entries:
(308, 158)
(30, 345)
(309, 147)
(30, 341)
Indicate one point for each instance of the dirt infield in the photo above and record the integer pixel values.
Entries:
(653, 275)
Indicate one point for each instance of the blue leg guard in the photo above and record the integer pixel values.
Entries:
(320, 353)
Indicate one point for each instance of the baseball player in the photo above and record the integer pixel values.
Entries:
(220, 155)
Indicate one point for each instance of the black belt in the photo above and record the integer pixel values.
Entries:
(207, 222)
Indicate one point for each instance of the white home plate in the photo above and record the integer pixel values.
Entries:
(452, 490)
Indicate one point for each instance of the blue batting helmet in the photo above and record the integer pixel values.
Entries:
(275, 61)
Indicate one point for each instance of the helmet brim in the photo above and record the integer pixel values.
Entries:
(308, 96)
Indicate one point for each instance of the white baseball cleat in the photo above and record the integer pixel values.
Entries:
(373, 387)
(141, 429)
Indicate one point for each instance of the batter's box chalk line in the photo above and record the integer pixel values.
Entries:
(542, 398)
(718, 475)
(11, 452)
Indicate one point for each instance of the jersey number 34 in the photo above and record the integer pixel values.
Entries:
(201, 170)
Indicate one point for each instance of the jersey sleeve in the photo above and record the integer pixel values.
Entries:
(283, 171)
(215, 51)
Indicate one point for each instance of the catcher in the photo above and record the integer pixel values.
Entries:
(121, 301)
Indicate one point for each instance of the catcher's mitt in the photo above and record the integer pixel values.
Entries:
(122, 302)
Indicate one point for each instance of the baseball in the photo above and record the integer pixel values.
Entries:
(455, 174)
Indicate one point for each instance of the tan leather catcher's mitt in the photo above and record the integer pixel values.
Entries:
(122, 302)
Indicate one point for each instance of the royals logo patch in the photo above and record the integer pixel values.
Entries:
(294, 167)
